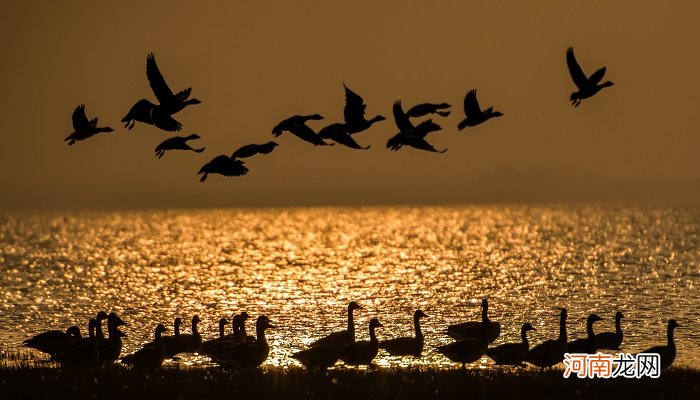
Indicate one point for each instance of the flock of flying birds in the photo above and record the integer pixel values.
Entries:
(412, 134)
(241, 351)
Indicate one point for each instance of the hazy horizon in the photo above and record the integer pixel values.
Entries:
(253, 65)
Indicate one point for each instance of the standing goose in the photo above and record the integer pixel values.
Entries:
(611, 340)
(149, 357)
(82, 353)
(250, 150)
(248, 355)
(190, 343)
(473, 112)
(423, 109)
(407, 346)
(50, 341)
(589, 344)
(98, 328)
(169, 103)
(338, 133)
(550, 352)
(587, 86)
(339, 339)
(467, 350)
(410, 135)
(354, 113)
(362, 352)
(111, 347)
(512, 353)
(240, 334)
(82, 128)
(171, 343)
(177, 143)
(209, 345)
(223, 165)
(149, 113)
(318, 357)
(472, 329)
(296, 125)
(668, 352)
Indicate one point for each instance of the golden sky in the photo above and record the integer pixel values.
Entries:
(255, 63)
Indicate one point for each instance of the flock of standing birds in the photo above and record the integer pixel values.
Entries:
(412, 134)
(238, 350)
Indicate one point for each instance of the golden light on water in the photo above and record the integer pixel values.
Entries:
(301, 267)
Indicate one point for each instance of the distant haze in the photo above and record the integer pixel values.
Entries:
(255, 63)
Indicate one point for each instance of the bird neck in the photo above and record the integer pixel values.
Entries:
(351, 324)
(523, 335)
(158, 335)
(98, 330)
(372, 335)
(416, 325)
(194, 328)
(484, 313)
(177, 330)
(260, 331)
(222, 326)
(671, 343)
(618, 326)
(562, 330)
(589, 329)
(375, 119)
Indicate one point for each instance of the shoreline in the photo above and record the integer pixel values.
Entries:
(24, 376)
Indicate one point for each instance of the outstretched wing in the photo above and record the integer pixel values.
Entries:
(575, 70)
(354, 107)
(422, 144)
(93, 122)
(400, 117)
(471, 104)
(80, 121)
(597, 76)
(156, 80)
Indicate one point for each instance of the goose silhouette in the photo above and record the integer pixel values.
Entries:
(587, 86)
(410, 135)
(150, 357)
(362, 352)
(339, 133)
(177, 143)
(169, 103)
(296, 125)
(550, 352)
(354, 113)
(339, 339)
(223, 165)
(423, 109)
(250, 150)
(248, 354)
(668, 352)
(611, 340)
(512, 353)
(148, 113)
(84, 128)
(407, 345)
(589, 344)
(474, 115)
(472, 329)
(50, 341)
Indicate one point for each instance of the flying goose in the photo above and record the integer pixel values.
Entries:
(250, 150)
(223, 165)
(587, 86)
(410, 135)
(407, 346)
(296, 125)
(338, 133)
(169, 103)
(423, 109)
(177, 143)
(82, 128)
(152, 114)
(354, 113)
(474, 115)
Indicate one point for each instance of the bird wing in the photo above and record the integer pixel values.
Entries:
(80, 121)
(400, 117)
(471, 104)
(164, 121)
(422, 144)
(354, 107)
(597, 76)
(156, 80)
(93, 122)
(346, 140)
(575, 70)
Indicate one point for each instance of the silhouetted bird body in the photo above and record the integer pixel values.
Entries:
(149, 113)
(250, 150)
(512, 353)
(589, 344)
(550, 352)
(473, 112)
(410, 135)
(587, 86)
(111, 347)
(668, 352)
(223, 165)
(611, 340)
(190, 343)
(149, 357)
(362, 352)
(339, 339)
(169, 103)
(177, 143)
(208, 346)
(407, 346)
(82, 128)
(82, 353)
(248, 354)
(472, 329)
(423, 109)
(354, 113)
(318, 357)
(338, 133)
(296, 125)
(50, 341)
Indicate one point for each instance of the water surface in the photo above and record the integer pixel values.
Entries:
(302, 266)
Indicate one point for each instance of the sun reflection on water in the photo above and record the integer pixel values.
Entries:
(301, 267)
